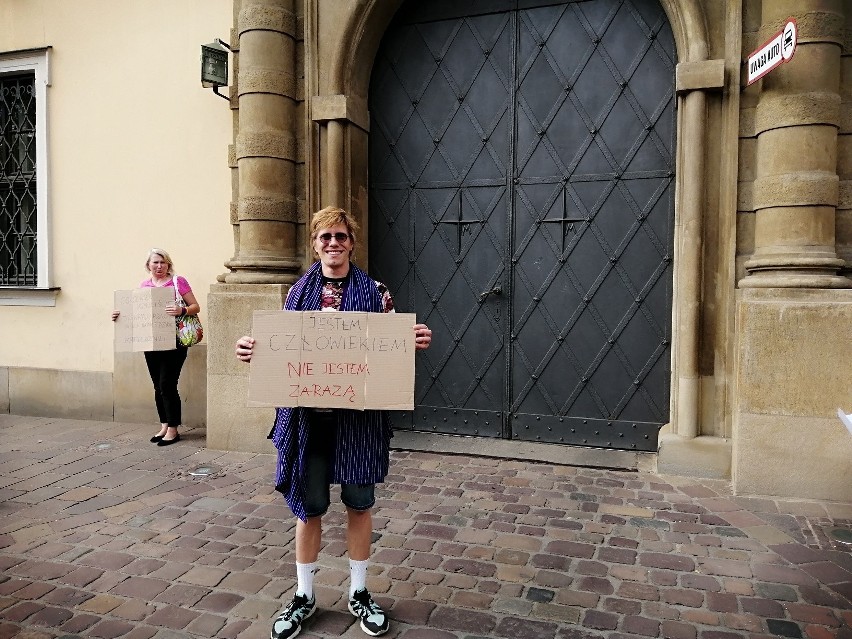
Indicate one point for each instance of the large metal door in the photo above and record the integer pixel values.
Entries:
(521, 202)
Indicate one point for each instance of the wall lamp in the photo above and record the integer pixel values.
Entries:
(214, 66)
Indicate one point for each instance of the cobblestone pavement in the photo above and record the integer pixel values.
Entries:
(105, 535)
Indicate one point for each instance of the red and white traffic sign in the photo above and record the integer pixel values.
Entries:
(775, 51)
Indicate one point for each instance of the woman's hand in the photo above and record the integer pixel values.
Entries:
(174, 309)
(115, 315)
(422, 337)
(244, 348)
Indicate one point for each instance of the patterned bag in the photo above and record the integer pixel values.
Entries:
(189, 330)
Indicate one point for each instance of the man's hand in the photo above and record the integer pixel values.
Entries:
(422, 336)
(244, 348)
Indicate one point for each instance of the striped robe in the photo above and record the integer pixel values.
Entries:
(363, 437)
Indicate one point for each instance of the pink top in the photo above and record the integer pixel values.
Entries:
(183, 285)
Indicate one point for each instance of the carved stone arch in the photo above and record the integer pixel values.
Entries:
(350, 73)
(348, 78)
(362, 33)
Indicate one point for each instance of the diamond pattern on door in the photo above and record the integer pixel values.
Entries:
(521, 202)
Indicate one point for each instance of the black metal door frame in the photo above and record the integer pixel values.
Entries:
(465, 196)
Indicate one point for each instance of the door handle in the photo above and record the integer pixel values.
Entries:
(497, 290)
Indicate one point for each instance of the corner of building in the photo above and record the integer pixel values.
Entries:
(794, 348)
(232, 424)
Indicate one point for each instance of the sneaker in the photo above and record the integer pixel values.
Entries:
(374, 621)
(289, 622)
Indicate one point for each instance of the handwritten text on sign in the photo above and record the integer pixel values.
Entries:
(143, 324)
(333, 360)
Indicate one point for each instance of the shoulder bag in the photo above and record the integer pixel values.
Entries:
(188, 327)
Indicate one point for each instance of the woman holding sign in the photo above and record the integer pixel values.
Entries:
(165, 366)
(318, 447)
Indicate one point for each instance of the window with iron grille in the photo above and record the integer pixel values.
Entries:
(18, 181)
(25, 276)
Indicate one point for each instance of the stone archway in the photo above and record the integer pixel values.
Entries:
(338, 151)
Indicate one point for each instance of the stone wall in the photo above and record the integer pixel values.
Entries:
(125, 395)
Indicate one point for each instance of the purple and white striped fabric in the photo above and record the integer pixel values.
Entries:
(363, 437)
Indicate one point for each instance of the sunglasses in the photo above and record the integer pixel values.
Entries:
(325, 238)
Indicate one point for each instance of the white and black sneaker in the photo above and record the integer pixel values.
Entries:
(374, 621)
(289, 622)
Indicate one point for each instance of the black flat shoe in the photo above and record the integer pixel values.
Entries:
(156, 438)
(168, 442)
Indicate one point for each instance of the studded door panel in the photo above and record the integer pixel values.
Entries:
(521, 202)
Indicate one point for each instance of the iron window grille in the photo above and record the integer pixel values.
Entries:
(18, 182)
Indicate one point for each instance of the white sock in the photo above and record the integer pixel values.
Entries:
(357, 575)
(305, 579)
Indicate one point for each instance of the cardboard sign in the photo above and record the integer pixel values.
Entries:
(143, 324)
(328, 359)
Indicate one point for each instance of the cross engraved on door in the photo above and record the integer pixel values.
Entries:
(566, 222)
(461, 224)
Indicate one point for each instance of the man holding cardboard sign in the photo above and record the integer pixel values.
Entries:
(322, 446)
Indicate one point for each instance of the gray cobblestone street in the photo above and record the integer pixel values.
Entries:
(103, 534)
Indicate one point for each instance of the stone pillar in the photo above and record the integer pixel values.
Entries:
(266, 211)
(266, 145)
(796, 121)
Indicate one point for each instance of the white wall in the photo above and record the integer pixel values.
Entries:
(138, 158)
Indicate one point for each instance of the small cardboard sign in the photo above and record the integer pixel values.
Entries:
(324, 359)
(143, 324)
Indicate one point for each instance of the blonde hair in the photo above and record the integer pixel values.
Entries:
(164, 255)
(332, 216)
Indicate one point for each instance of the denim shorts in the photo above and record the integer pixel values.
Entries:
(318, 473)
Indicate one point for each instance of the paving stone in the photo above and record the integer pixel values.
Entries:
(107, 560)
(600, 620)
(110, 629)
(474, 568)
(101, 604)
(182, 595)
(570, 549)
(140, 587)
(489, 548)
(448, 618)
(622, 606)
(204, 576)
(21, 611)
(244, 582)
(428, 633)
(412, 612)
(667, 561)
(220, 602)
(81, 577)
(172, 617)
(778, 592)
(79, 623)
(525, 629)
(598, 585)
(144, 632)
(50, 617)
(70, 597)
(133, 610)
(13, 585)
(206, 625)
(331, 623)
(641, 626)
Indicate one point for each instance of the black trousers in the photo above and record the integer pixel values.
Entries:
(164, 367)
